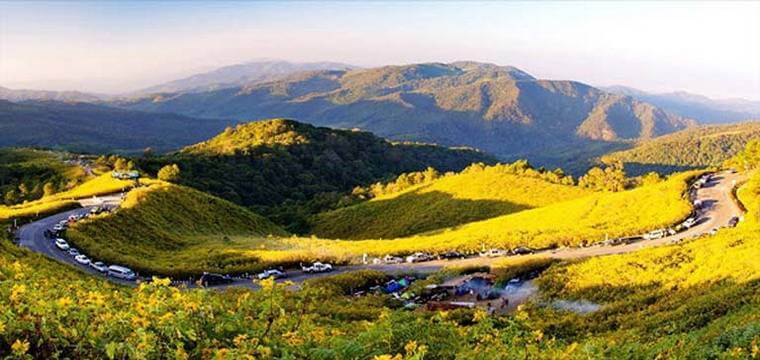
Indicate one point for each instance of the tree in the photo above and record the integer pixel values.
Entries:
(169, 173)
(120, 164)
(11, 197)
(611, 178)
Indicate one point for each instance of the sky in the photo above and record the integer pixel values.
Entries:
(709, 48)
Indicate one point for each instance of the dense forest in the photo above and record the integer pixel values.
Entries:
(28, 174)
(288, 170)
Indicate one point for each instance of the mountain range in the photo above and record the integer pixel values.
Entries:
(499, 109)
(699, 107)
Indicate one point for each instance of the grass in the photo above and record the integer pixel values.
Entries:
(175, 230)
(476, 193)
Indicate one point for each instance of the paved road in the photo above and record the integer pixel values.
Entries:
(718, 209)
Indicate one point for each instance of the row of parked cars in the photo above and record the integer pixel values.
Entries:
(116, 271)
(450, 255)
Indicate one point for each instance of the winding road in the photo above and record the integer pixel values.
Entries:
(717, 210)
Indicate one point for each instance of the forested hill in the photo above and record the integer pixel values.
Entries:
(692, 148)
(94, 128)
(287, 170)
(499, 109)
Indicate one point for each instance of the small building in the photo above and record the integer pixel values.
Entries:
(126, 175)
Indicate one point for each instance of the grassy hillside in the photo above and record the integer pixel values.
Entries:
(290, 170)
(174, 229)
(703, 294)
(25, 174)
(693, 148)
(476, 193)
(499, 109)
(94, 128)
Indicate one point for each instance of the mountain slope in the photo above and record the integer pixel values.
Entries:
(283, 168)
(240, 74)
(17, 95)
(476, 193)
(94, 128)
(701, 108)
(501, 110)
(693, 148)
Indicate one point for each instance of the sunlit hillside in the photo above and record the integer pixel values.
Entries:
(172, 230)
(477, 193)
(692, 148)
(704, 293)
(29, 174)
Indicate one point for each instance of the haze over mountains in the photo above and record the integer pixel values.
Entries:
(499, 109)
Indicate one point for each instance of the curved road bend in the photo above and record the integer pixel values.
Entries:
(719, 207)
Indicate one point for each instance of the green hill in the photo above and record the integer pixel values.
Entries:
(498, 109)
(476, 193)
(174, 229)
(289, 170)
(25, 174)
(693, 148)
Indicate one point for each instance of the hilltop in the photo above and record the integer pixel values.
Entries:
(95, 128)
(693, 148)
(498, 109)
(288, 170)
(476, 193)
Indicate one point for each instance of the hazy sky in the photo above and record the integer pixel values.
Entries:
(712, 48)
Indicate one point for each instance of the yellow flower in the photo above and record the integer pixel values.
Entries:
(480, 315)
(161, 282)
(180, 354)
(64, 302)
(238, 340)
(20, 347)
(538, 334)
(17, 291)
(387, 357)
(410, 347)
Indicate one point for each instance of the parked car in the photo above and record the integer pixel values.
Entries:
(62, 244)
(655, 234)
(390, 259)
(317, 267)
(209, 279)
(452, 255)
(273, 273)
(121, 272)
(522, 250)
(74, 252)
(494, 253)
(58, 228)
(734, 221)
(99, 266)
(82, 259)
(689, 222)
(713, 231)
(418, 257)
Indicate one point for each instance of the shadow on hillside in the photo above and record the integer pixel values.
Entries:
(408, 214)
(637, 168)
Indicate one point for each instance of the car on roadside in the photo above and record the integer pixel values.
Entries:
(390, 259)
(734, 221)
(99, 266)
(74, 252)
(656, 234)
(82, 259)
(272, 273)
(418, 257)
(62, 244)
(211, 279)
(452, 255)
(58, 228)
(317, 267)
(121, 272)
(494, 253)
(689, 222)
(522, 250)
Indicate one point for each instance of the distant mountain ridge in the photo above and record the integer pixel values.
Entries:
(17, 95)
(240, 74)
(699, 107)
(499, 109)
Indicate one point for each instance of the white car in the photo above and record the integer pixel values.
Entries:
(317, 267)
(418, 257)
(121, 272)
(656, 234)
(58, 228)
(389, 259)
(273, 273)
(494, 253)
(689, 222)
(62, 244)
(99, 266)
(82, 259)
